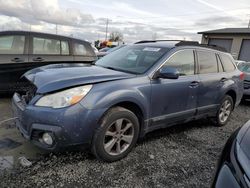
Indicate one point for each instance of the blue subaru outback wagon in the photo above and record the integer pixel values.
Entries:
(126, 94)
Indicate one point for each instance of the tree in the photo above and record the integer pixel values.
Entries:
(116, 36)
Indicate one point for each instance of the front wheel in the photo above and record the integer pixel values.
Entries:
(116, 136)
(225, 110)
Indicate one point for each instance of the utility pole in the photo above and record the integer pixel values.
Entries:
(107, 25)
(56, 28)
(248, 22)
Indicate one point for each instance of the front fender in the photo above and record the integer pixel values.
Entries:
(106, 95)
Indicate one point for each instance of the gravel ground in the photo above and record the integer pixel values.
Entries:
(180, 156)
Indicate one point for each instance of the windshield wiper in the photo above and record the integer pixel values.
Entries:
(116, 69)
(112, 68)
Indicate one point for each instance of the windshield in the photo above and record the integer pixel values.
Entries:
(135, 59)
(115, 48)
(244, 67)
(104, 49)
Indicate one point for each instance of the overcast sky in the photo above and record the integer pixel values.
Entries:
(136, 19)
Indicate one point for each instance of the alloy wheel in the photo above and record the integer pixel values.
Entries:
(118, 136)
(225, 111)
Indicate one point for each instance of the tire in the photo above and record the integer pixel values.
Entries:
(116, 136)
(224, 111)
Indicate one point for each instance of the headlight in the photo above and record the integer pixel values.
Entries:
(64, 98)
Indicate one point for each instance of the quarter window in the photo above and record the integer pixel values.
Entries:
(183, 61)
(12, 44)
(207, 62)
(80, 49)
(227, 63)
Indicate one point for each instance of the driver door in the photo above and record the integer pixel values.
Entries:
(175, 99)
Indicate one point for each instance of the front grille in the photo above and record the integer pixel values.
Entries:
(246, 84)
(27, 92)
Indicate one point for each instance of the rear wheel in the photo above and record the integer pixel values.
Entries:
(116, 136)
(225, 110)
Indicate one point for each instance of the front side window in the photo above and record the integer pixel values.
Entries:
(183, 61)
(13, 44)
(79, 49)
(207, 62)
(133, 58)
(46, 46)
(227, 63)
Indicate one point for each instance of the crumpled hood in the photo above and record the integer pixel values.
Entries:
(59, 76)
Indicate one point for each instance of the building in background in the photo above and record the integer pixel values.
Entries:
(234, 40)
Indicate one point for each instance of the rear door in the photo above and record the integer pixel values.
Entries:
(46, 49)
(212, 79)
(13, 59)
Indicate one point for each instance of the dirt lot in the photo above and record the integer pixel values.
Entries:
(181, 156)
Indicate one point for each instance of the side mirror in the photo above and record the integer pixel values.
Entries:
(168, 73)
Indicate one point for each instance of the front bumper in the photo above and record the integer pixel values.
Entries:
(74, 125)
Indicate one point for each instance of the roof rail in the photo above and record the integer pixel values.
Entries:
(186, 43)
(194, 43)
(149, 41)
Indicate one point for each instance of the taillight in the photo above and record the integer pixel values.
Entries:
(242, 76)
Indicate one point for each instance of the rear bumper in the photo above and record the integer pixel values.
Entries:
(74, 125)
(246, 93)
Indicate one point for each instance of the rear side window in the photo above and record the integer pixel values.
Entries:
(207, 62)
(183, 61)
(13, 44)
(47, 46)
(227, 63)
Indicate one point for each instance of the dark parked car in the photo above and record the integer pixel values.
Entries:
(21, 51)
(245, 67)
(126, 94)
(234, 165)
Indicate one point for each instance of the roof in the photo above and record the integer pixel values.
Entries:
(227, 31)
(39, 33)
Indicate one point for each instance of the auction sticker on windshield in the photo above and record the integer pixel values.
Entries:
(152, 49)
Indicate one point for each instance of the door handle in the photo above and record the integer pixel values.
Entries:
(194, 84)
(38, 59)
(17, 60)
